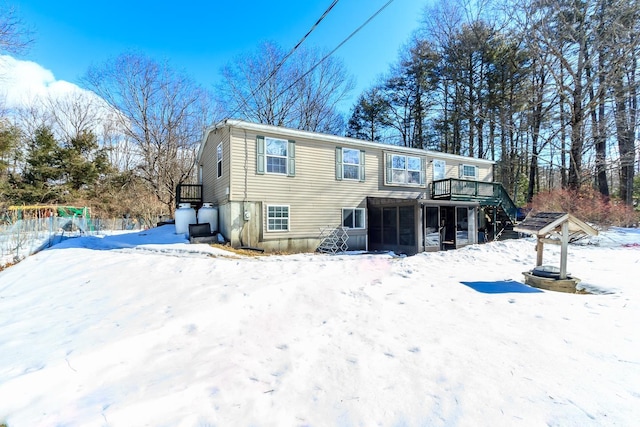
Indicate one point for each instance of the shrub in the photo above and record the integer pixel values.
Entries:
(588, 205)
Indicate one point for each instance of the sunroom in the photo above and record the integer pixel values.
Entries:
(410, 226)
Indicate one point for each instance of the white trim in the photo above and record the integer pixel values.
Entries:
(364, 218)
(466, 165)
(421, 171)
(219, 160)
(267, 155)
(338, 140)
(437, 165)
(267, 218)
(356, 165)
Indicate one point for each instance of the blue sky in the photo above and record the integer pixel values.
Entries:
(199, 37)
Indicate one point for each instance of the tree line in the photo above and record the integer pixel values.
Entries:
(546, 88)
(120, 146)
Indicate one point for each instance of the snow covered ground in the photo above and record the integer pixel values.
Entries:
(143, 329)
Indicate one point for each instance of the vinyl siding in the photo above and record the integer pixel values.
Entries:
(214, 188)
(485, 173)
(314, 195)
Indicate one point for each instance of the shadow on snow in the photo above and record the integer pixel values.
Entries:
(502, 287)
(164, 235)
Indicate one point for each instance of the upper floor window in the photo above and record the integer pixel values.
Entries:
(219, 159)
(439, 169)
(275, 156)
(349, 164)
(468, 171)
(403, 169)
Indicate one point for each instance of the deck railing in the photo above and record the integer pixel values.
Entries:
(488, 193)
(189, 193)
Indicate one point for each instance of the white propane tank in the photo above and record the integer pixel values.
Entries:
(207, 213)
(185, 215)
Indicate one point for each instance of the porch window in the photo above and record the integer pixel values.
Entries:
(390, 226)
(406, 229)
(353, 218)
(432, 226)
(375, 225)
(405, 170)
(277, 218)
(468, 172)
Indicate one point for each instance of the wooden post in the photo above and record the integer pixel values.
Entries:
(540, 249)
(564, 250)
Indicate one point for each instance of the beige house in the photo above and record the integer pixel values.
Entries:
(282, 189)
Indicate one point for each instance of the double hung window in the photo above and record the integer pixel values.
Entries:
(275, 156)
(349, 164)
(405, 170)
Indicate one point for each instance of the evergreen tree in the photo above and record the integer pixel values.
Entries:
(81, 161)
(42, 174)
(369, 117)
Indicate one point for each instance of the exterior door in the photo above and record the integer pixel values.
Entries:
(432, 227)
(447, 227)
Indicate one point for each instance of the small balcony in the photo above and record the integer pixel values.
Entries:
(485, 193)
(189, 193)
(462, 189)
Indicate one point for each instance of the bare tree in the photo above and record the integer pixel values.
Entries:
(161, 111)
(300, 91)
(74, 113)
(15, 37)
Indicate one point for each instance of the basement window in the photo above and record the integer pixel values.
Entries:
(277, 218)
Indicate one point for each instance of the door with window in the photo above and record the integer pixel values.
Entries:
(432, 228)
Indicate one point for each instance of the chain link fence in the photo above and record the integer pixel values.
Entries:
(24, 237)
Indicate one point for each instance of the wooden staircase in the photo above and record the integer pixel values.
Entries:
(488, 194)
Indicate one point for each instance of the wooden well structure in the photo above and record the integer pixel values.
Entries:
(556, 228)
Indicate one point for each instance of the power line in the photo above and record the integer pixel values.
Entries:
(281, 63)
(336, 48)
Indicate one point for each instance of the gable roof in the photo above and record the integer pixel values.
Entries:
(323, 137)
(544, 223)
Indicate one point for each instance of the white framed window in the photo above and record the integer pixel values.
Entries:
(275, 156)
(349, 164)
(439, 169)
(405, 170)
(468, 171)
(353, 218)
(277, 218)
(219, 159)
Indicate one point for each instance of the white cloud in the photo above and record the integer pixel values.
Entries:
(21, 82)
